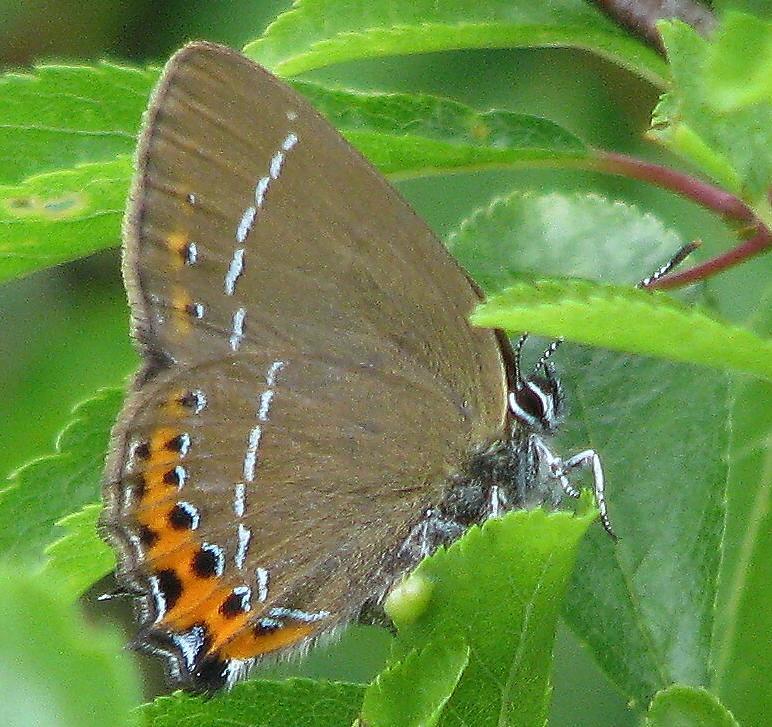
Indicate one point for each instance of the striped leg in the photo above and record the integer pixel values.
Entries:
(559, 469)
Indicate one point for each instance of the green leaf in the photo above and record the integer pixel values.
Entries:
(740, 658)
(259, 703)
(499, 588)
(51, 487)
(317, 33)
(65, 116)
(525, 234)
(61, 216)
(522, 234)
(79, 558)
(644, 606)
(680, 706)
(760, 8)
(738, 70)
(621, 319)
(400, 133)
(56, 670)
(412, 134)
(734, 148)
(413, 692)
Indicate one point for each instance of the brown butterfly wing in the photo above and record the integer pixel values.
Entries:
(310, 376)
(292, 495)
(332, 250)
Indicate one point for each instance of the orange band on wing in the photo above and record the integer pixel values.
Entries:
(181, 304)
(178, 243)
(251, 643)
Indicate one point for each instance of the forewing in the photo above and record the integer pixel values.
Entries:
(252, 219)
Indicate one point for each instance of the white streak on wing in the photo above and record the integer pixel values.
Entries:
(265, 405)
(131, 460)
(250, 458)
(245, 534)
(127, 498)
(191, 255)
(235, 269)
(184, 444)
(253, 442)
(136, 543)
(245, 224)
(238, 328)
(277, 160)
(200, 404)
(219, 567)
(270, 623)
(262, 584)
(270, 377)
(297, 615)
(246, 597)
(495, 501)
(290, 141)
(192, 512)
(158, 597)
(239, 500)
(247, 221)
(189, 644)
(182, 476)
(260, 190)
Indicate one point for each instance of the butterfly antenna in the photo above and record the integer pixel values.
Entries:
(518, 367)
(677, 259)
(674, 261)
(542, 362)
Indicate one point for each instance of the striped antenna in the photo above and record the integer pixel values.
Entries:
(649, 280)
(677, 259)
(518, 367)
(542, 362)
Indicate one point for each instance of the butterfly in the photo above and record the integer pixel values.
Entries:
(314, 413)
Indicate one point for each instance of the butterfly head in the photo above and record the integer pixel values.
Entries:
(537, 400)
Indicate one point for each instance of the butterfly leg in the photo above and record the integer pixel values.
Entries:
(555, 466)
(497, 501)
(559, 468)
(590, 459)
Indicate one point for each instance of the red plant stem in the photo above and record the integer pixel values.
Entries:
(705, 194)
(757, 244)
(641, 16)
(702, 193)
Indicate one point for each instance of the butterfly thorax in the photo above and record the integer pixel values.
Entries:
(496, 478)
(508, 473)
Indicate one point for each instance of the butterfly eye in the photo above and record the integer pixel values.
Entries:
(538, 403)
(533, 401)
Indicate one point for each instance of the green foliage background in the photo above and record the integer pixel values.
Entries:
(63, 336)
